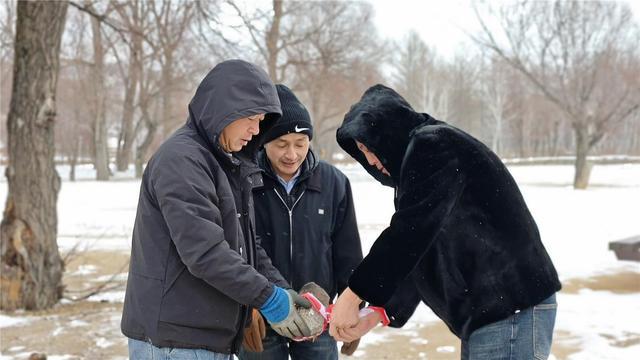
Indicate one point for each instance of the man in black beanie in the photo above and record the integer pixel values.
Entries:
(306, 222)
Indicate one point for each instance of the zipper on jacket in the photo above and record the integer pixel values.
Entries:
(290, 210)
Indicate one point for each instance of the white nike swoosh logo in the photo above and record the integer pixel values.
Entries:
(297, 129)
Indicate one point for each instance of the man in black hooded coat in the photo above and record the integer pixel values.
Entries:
(196, 270)
(462, 238)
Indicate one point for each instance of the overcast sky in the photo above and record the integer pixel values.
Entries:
(440, 23)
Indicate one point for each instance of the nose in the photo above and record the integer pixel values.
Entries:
(370, 159)
(290, 154)
(254, 129)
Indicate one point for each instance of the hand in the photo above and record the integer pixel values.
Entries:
(344, 315)
(348, 348)
(254, 334)
(366, 323)
(280, 312)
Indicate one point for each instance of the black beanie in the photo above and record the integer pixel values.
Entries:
(295, 117)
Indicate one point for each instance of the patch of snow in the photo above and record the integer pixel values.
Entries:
(57, 331)
(85, 270)
(119, 277)
(78, 323)
(6, 321)
(110, 296)
(103, 343)
(446, 349)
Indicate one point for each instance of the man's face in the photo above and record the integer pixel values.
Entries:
(238, 134)
(372, 159)
(287, 153)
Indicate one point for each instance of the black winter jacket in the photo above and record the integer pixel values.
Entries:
(462, 239)
(319, 240)
(191, 275)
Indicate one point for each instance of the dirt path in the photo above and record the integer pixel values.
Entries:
(91, 329)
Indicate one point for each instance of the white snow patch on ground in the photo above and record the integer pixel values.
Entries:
(110, 296)
(576, 226)
(118, 277)
(84, 270)
(77, 323)
(446, 349)
(103, 343)
(6, 321)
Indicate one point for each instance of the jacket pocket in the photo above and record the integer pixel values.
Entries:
(142, 304)
(193, 303)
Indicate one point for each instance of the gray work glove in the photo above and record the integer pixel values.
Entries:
(293, 326)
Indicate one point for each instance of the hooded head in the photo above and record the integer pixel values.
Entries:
(382, 120)
(233, 90)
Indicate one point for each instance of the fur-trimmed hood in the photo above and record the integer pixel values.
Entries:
(383, 121)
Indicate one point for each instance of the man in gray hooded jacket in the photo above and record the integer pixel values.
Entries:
(196, 270)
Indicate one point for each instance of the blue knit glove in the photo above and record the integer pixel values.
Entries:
(276, 308)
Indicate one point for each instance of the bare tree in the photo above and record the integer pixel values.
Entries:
(573, 53)
(135, 17)
(98, 100)
(74, 131)
(148, 120)
(31, 264)
(421, 77)
(413, 64)
(274, 32)
(172, 20)
(340, 58)
(7, 25)
(495, 89)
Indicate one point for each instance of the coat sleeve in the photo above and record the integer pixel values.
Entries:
(266, 268)
(403, 303)
(185, 193)
(430, 182)
(346, 248)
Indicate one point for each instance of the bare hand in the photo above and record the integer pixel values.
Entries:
(364, 326)
(344, 315)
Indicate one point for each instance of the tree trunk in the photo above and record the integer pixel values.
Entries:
(582, 166)
(31, 276)
(125, 144)
(100, 136)
(127, 134)
(272, 42)
(73, 159)
(167, 98)
(141, 151)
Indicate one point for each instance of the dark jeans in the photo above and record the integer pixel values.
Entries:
(276, 347)
(525, 335)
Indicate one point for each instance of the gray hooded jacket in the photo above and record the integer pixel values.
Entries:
(192, 276)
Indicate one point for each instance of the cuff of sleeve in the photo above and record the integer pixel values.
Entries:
(265, 294)
(383, 314)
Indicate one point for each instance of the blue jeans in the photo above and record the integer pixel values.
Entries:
(276, 347)
(141, 350)
(525, 335)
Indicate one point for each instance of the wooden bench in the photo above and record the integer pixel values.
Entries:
(626, 249)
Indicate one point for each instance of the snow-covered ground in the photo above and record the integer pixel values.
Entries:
(576, 227)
